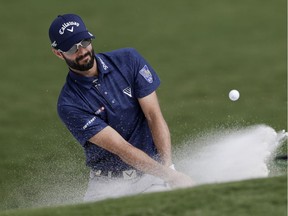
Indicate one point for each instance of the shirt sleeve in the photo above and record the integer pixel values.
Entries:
(145, 78)
(81, 124)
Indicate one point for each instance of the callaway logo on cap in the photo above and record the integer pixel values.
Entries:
(67, 30)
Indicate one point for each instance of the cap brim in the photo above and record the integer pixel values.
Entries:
(66, 45)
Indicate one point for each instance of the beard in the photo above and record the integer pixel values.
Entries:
(81, 67)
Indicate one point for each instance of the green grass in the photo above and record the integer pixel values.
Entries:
(254, 197)
(200, 49)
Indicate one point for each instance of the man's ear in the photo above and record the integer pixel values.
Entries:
(57, 53)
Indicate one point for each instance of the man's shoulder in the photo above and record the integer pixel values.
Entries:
(67, 94)
(123, 54)
(68, 100)
(122, 51)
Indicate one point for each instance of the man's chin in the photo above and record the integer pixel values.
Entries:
(83, 64)
(84, 67)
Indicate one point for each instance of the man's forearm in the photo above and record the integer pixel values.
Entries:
(158, 127)
(162, 140)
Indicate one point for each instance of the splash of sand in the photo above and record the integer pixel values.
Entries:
(229, 155)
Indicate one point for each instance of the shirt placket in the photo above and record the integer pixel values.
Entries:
(101, 90)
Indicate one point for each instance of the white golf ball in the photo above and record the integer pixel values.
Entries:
(234, 95)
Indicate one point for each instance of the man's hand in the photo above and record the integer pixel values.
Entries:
(180, 180)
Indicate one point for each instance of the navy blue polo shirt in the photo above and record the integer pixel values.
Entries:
(89, 104)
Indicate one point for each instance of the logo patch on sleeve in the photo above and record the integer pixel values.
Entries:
(145, 72)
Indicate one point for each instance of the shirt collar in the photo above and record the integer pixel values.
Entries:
(87, 82)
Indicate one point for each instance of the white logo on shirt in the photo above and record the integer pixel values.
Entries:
(89, 122)
(127, 91)
(105, 67)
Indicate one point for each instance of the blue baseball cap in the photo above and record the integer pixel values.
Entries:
(67, 30)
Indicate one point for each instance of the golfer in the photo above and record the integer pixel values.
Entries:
(110, 106)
